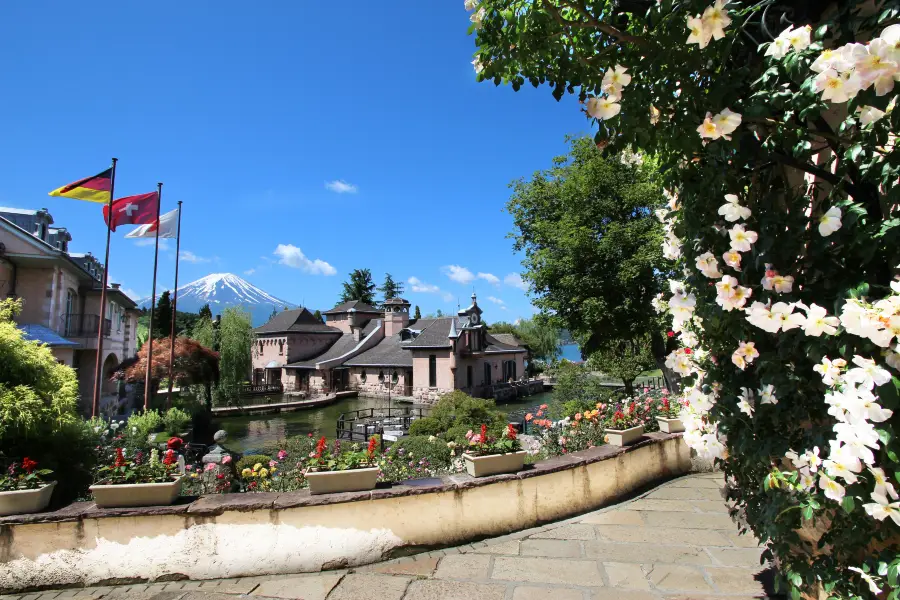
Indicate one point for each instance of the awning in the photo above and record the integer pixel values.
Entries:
(273, 364)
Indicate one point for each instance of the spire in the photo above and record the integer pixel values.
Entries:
(453, 332)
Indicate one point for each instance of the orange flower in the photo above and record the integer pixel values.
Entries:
(540, 413)
(529, 417)
(543, 407)
(577, 416)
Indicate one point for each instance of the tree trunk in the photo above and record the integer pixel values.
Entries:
(629, 387)
(660, 348)
(208, 393)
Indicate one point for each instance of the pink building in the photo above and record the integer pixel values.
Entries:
(379, 350)
(60, 293)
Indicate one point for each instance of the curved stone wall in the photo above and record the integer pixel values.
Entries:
(270, 533)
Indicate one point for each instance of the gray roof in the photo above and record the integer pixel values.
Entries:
(494, 345)
(507, 338)
(341, 346)
(393, 301)
(298, 320)
(357, 305)
(389, 352)
(433, 333)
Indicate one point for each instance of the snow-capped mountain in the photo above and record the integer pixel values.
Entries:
(222, 290)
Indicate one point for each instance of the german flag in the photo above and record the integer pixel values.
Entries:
(92, 189)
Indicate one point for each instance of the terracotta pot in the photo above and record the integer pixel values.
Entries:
(20, 502)
(667, 425)
(624, 437)
(136, 494)
(351, 480)
(494, 464)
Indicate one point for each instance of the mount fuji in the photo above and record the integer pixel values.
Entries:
(221, 290)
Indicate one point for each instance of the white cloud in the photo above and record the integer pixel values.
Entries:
(292, 256)
(188, 256)
(458, 274)
(448, 297)
(417, 285)
(339, 186)
(489, 277)
(515, 280)
(496, 300)
(247, 272)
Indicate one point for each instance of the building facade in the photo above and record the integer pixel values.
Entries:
(60, 294)
(381, 352)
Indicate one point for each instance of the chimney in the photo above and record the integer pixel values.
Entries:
(396, 316)
(357, 333)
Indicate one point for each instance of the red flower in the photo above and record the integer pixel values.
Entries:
(169, 458)
(28, 465)
(120, 458)
(174, 443)
(320, 447)
(670, 333)
(483, 433)
(687, 351)
(510, 431)
(371, 449)
(220, 476)
(309, 434)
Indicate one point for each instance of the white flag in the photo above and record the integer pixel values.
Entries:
(168, 227)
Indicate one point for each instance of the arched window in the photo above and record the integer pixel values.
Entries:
(362, 376)
(381, 376)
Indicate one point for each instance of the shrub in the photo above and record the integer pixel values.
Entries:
(416, 457)
(458, 409)
(247, 462)
(176, 421)
(141, 425)
(425, 426)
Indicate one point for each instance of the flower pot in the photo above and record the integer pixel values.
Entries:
(493, 464)
(136, 494)
(20, 502)
(624, 437)
(351, 480)
(667, 425)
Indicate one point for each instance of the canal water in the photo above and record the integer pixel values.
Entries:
(254, 432)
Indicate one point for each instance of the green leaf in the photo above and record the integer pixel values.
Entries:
(848, 504)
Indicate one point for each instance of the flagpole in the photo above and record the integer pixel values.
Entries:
(98, 368)
(174, 308)
(147, 385)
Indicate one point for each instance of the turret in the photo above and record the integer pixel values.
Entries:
(396, 315)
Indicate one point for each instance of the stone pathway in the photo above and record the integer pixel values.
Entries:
(674, 542)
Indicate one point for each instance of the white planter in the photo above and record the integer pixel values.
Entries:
(20, 502)
(667, 425)
(494, 464)
(136, 494)
(351, 480)
(624, 437)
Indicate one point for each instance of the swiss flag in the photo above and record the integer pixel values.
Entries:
(133, 210)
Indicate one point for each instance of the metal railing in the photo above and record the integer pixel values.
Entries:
(83, 325)
(249, 389)
(360, 425)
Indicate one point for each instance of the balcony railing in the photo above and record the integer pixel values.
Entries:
(76, 325)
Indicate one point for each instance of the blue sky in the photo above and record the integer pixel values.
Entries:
(305, 140)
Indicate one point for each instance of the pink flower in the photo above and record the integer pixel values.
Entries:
(226, 459)
(469, 435)
(312, 454)
(282, 455)
(210, 467)
(272, 464)
(188, 467)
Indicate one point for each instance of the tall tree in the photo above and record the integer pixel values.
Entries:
(390, 288)
(205, 311)
(625, 360)
(359, 287)
(274, 313)
(204, 331)
(235, 345)
(538, 333)
(418, 313)
(318, 315)
(593, 246)
(162, 318)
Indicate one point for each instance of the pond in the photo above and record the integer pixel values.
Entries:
(253, 432)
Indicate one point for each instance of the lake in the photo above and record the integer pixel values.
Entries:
(254, 432)
(570, 352)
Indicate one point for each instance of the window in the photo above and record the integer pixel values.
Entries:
(487, 373)
(469, 376)
(362, 376)
(280, 348)
(432, 370)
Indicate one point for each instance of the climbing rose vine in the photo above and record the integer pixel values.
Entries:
(774, 125)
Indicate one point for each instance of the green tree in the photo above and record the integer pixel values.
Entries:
(390, 288)
(625, 360)
(205, 311)
(235, 346)
(418, 313)
(592, 246)
(359, 287)
(204, 331)
(538, 333)
(318, 315)
(576, 390)
(162, 317)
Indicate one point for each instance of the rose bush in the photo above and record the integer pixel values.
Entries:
(774, 126)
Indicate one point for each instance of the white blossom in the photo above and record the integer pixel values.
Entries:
(830, 221)
(732, 258)
(883, 508)
(842, 462)
(867, 374)
(744, 402)
(732, 210)
(741, 239)
(873, 586)
(831, 370)
(715, 19)
(699, 34)
(869, 115)
(833, 490)
(708, 265)
(818, 322)
(882, 485)
(767, 395)
(603, 108)
(837, 87)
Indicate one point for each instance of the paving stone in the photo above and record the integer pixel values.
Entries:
(547, 570)
(551, 548)
(614, 517)
(729, 580)
(463, 566)
(617, 594)
(433, 589)
(685, 493)
(710, 506)
(698, 482)
(736, 557)
(626, 575)
(546, 593)
(678, 578)
(689, 520)
(743, 540)
(646, 553)
(510, 548)
(646, 504)
(308, 587)
(356, 586)
(420, 568)
(573, 531)
(653, 535)
(228, 586)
